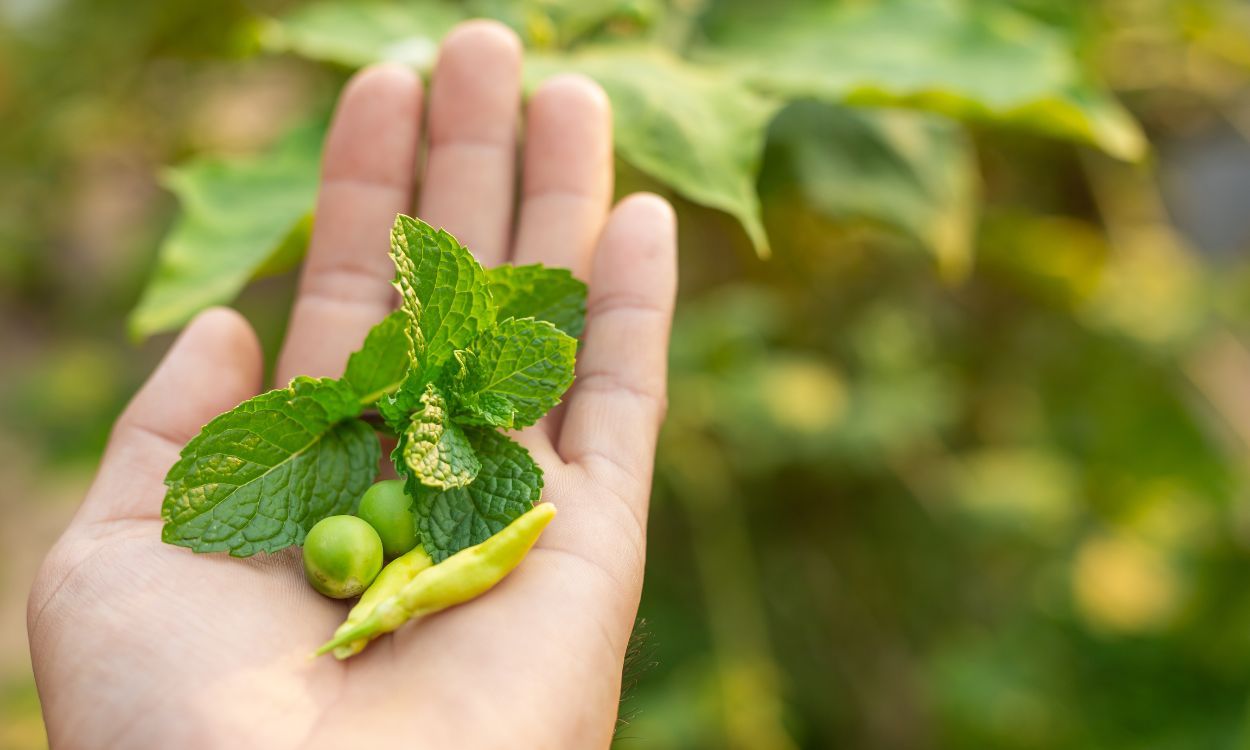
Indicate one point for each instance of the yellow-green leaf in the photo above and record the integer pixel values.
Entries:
(689, 126)
(239, 218)
(355, 34)
(970, 61)
(909, 171)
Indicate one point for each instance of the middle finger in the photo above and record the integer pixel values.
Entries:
(474, 100)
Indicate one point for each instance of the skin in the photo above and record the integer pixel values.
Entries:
(139, 644)
(342, 555)
(462, 577)
(388, 510)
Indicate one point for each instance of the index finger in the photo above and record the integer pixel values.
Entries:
(367, 178)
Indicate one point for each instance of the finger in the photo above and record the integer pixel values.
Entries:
(618, 399)
(367, 178)
(567, 176)
(467, 188)
(566, 182)
(215, 364)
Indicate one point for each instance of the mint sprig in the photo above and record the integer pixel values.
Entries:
(469, 351)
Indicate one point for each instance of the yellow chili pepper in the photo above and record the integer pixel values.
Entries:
(465, 575)
(397, 574)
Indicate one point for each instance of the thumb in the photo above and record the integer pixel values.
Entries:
(212, 366)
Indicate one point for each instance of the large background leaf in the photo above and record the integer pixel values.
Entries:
(695, 129)
(239, 217)
(912, 172)
(969, 61)
(357, 34)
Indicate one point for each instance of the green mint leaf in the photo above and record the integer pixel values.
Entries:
(487, 409)
(508, 484)
(445, 292)
(382, 363)
(433, 450)
(259, 476)
(527, 362)
(396, 408)
(535, 291)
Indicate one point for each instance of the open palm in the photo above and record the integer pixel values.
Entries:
(140, 644)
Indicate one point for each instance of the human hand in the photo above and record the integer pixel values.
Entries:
(136, 643)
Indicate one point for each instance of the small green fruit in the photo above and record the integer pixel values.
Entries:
(342, 556)
(388, 509)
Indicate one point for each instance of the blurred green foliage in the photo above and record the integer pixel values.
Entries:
(694, 87)
(960, 465)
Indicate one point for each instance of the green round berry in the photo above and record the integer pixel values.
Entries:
(342, 556)
(388, 509)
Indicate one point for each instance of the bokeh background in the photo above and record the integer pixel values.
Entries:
(960, 395)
